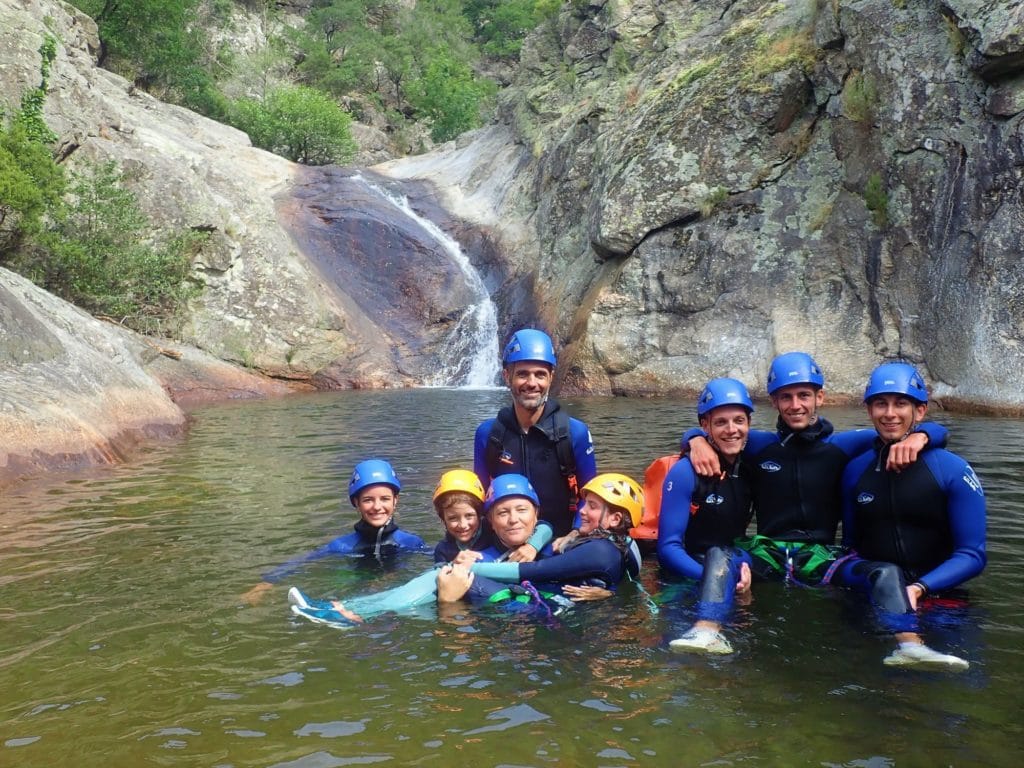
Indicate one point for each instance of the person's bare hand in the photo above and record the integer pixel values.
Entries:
(584, 594)
(905, 452)
(453, 581)
(558, 545)
(524, 553)
(255, 595)
(704, 458)
(467, 557)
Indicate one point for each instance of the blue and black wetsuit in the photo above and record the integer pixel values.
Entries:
(796, 480)
(700, 519)
(448, 548)
(535, 455)
(381, 543)
(925, 524)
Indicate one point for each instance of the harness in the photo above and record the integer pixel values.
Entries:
(803, 563)
(559, 435)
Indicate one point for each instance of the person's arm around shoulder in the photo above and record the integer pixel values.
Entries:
(528, 552)
(927, 434)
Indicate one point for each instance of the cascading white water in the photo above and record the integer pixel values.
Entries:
(475, 337)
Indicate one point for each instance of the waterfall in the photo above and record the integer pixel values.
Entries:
(472, 359)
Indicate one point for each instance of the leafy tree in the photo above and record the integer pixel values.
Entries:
(449, 96)
(299, 123)
(159, 45)
(502, 24)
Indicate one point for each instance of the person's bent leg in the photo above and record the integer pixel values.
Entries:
(887, 588)
(716, 598)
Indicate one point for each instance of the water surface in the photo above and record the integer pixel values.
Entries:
(123, 641)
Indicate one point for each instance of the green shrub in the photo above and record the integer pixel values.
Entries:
(449, 96)
(96, 255)
(877, 200)
(300, 123)
(860, 98)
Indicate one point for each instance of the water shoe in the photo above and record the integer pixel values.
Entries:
(701, 641)
(327, 616)
(919, 655)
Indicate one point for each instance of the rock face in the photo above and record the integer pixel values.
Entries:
(699, 186)
(75, 392)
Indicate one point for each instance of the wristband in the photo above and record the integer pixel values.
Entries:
(922, 587)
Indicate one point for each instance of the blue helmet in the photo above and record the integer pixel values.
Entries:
(529, 344)
(794, 368)
(504, 486)
(896, 379)
(371, 472)
(719, 392)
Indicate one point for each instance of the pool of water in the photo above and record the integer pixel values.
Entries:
(124, 642)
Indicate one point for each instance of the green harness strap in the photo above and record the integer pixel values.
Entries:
(805, 559)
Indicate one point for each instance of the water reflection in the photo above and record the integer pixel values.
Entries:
(124, 642)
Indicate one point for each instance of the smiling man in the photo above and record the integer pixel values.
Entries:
(915, 532)
(795, 471)
(534, 436)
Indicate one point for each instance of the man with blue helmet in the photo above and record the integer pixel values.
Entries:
(373, 490)
(795, 471)
(534, 436)
(701, 516)
(915, 532)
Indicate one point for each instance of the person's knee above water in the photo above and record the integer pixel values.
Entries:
(702, 516)
(590, 564)
(795, 470)
(373, 490)
(534, 436)
(915, 532)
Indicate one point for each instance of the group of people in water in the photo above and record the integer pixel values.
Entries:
(534, 526)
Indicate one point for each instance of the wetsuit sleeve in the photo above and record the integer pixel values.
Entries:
(854, 442)
(504, 571)
(938, 435)
(673, 519)
(541, 536)
(966, 509)
(583, 450)
(758, 440)
(480, 452)
(410, 541)
(594, 559)
(343, 545)
(586, 461)
(688, 435)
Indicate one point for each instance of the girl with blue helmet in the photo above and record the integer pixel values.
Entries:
(373, 490)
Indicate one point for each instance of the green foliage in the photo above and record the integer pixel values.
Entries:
(160, 46)
(860, 97)
(299, 123)
(501, 25)
(30, 116)
(96, 255)
(449, 96)
(715, 197)
(877, 200)
(30, 184)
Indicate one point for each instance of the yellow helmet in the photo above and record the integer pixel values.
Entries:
(619, 491)
(460, 480)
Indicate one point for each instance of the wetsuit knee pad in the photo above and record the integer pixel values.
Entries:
(888, 588)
